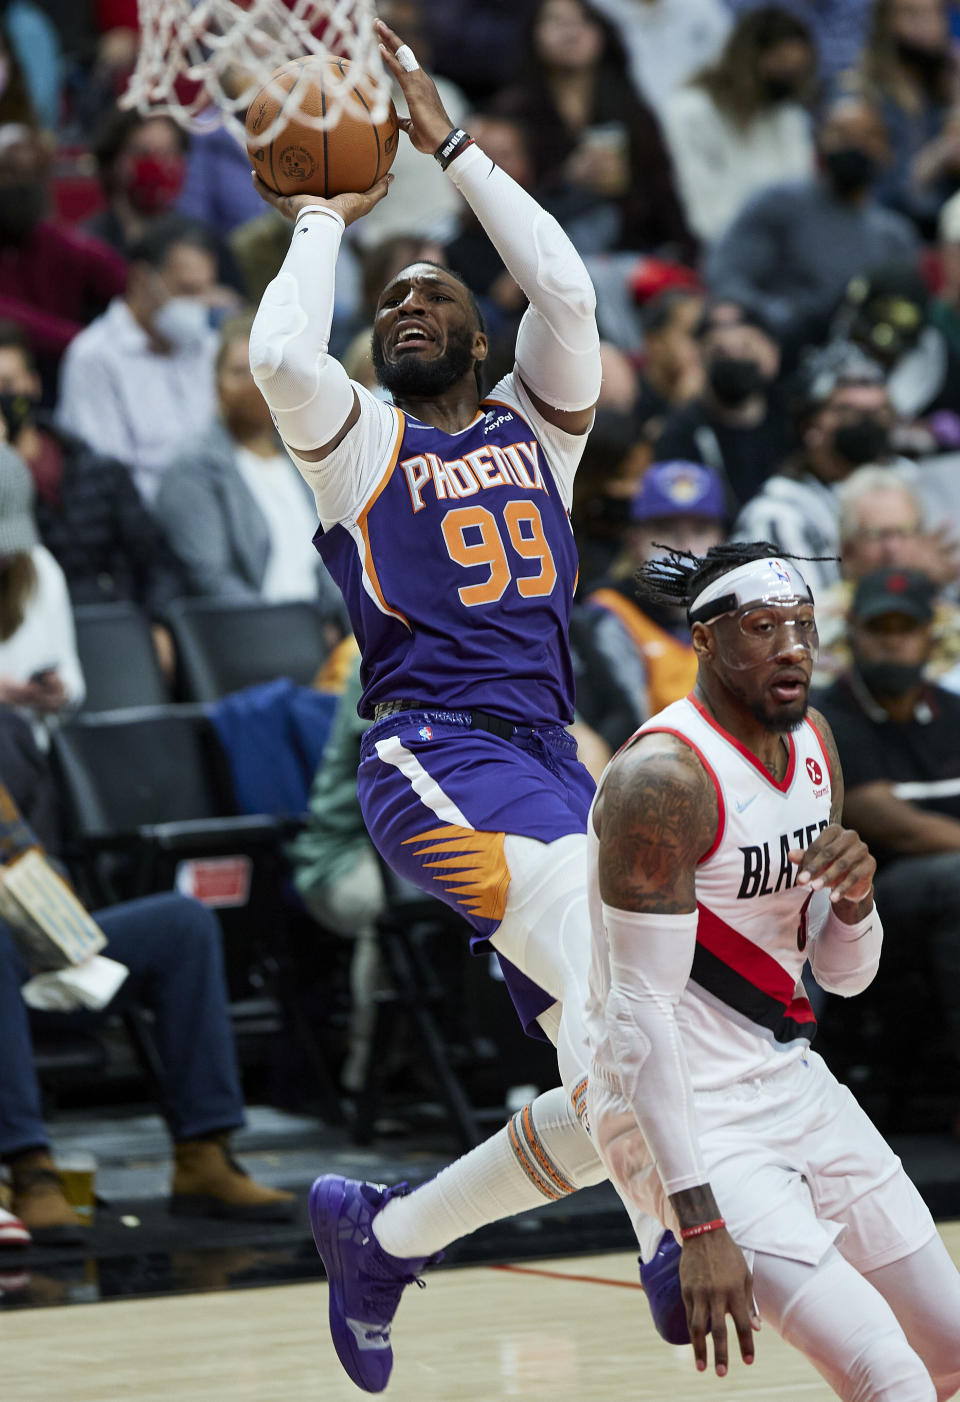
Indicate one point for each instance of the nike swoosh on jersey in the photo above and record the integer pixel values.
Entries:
(745, 804)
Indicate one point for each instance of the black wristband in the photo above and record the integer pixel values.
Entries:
(451, 147)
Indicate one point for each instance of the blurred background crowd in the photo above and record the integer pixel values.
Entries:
(768, 199)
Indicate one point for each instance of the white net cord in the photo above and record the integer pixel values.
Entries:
(202, 61)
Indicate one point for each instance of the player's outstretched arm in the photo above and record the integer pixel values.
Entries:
(310, 394)
(656, 816)
(558, 345)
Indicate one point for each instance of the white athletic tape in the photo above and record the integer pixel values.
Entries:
(406, 59)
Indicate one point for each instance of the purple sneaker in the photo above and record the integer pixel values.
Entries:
(660, 1279)
(365, 1281)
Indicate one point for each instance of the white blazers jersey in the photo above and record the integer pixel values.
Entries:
(744, 998)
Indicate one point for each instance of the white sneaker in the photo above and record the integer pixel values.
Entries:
(12, 1230)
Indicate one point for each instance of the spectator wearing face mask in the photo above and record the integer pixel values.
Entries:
(141, 376)
(52, 279)
(607, 479)
(886, 311)
(843, 420)
(89, 514)
(794, 247)
(141, 163)
(742, 123)
(680, 506)
(736, 425)
(882, 527)
(909, 64)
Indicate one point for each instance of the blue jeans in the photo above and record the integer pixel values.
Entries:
(171, 945)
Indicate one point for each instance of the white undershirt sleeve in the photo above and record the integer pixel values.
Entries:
(650, 961)
(558, 345)
(309, 393)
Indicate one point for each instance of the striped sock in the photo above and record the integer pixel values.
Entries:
(540, 1155)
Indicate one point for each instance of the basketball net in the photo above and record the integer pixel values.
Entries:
(202, 61)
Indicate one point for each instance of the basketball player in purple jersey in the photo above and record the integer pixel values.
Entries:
(444, 519)
(718, 866)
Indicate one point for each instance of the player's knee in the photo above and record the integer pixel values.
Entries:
(886, 1369)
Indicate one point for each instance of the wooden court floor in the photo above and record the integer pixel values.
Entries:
(559, 1329)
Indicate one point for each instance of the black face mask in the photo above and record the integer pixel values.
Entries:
(890, 678)
(866, 440)
(16, 410)
(781, 89)
(734, 379)
(928, 63)
(22, 207)
(850, 169)
(607, 513)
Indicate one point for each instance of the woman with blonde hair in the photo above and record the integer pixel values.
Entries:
(40, 671)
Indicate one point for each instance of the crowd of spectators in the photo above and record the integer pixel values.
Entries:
(768, 199)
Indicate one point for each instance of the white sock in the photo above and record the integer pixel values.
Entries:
(540, 1155)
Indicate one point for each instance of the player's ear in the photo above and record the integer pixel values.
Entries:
(703, 641)
(481, 346)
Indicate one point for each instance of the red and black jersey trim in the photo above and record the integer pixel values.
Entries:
(749, 980)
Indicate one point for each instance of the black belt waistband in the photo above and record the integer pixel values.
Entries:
(479, 720)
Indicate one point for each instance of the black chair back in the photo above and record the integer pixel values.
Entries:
(226, 645)
(117, 656)
(122, 770)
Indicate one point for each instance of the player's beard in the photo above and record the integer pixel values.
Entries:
(781, 719)
(413, 377)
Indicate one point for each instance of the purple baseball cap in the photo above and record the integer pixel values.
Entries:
(678, 489)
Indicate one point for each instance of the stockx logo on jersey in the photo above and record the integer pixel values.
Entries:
(816, 777)
(757, 864)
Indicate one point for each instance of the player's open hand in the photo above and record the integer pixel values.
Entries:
(350, 207)
(428, 124)
(839, 859)
(715, 1281)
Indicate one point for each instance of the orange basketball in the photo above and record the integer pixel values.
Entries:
(350, 156)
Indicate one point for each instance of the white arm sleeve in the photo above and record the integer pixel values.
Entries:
(845, 958)
(309, 393)
(558, 345)
(650, 961)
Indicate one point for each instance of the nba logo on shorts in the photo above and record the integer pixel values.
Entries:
(425, 732)
(813, 769)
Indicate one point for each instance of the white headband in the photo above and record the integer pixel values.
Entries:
(766, 581)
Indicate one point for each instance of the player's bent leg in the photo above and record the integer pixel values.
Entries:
(540, 1155)
(923, 1290)
(545, 932)
(835, 1317)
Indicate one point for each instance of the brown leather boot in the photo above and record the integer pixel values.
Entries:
(40, 1204)
(208, 1182)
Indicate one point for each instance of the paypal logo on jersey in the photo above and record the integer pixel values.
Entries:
(490, 423)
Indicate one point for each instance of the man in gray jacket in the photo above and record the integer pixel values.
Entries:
(236, 511)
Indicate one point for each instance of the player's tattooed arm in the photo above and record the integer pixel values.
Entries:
(656, 816)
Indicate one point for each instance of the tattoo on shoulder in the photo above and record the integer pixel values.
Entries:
(659, 815)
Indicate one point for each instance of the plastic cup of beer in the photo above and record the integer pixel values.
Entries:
(78, 1171)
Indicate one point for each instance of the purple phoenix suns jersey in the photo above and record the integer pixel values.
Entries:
(457, 562)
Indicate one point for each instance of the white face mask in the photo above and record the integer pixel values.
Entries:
(183, 321)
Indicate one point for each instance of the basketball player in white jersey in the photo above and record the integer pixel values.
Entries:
(717, 866)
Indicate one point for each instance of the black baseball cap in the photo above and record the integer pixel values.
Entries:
(894, 591)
